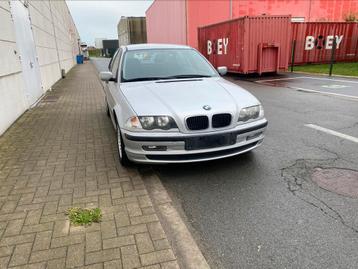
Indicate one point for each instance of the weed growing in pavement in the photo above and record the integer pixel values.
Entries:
(84, 216)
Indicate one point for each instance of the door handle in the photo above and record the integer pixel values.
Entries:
(31, 65)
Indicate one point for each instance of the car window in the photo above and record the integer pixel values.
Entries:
(115, 64)
(164, 63)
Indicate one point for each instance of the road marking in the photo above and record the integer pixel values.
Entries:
(335, 86)
(355, 98)
(331, 132)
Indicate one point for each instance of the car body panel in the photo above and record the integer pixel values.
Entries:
(183, 98)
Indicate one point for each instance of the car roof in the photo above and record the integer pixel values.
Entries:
(155, 46)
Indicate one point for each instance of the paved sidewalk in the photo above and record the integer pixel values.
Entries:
(62, 154)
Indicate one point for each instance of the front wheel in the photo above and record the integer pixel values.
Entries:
(123, 158)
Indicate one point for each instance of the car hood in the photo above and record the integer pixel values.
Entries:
(182, 98)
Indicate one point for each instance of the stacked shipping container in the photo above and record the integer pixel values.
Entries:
(177, 21)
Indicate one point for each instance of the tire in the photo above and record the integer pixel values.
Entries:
(122, 154)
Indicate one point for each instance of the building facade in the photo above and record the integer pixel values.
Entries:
(177, 21)
(38, 39)
(132, 30)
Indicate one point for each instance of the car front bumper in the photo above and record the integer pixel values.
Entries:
(173, 147)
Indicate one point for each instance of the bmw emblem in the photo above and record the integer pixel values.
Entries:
(206, 107)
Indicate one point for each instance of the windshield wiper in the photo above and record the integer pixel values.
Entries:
(188, 76)
(142, 79)
(169, 77)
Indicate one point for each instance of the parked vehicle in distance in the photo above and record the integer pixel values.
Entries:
(169, 105)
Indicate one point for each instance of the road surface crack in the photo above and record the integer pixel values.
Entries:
(297, 178)
(335, 154)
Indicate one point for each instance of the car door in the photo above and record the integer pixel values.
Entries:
(111, 86)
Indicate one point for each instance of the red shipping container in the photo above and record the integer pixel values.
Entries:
(314, 42)
(248, 44)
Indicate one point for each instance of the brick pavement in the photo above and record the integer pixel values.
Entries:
(62, 154)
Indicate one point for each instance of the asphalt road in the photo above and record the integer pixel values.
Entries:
(262, 209)
(336, 86)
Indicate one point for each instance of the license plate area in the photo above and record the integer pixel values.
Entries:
(209, 141)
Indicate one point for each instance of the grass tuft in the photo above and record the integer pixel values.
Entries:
(84, 216)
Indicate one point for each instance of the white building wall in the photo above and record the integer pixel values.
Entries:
(44, 37)
(12, 98)
(56, 40)
(66, 34)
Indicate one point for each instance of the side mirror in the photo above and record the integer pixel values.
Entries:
(106, 75)
(222, 70)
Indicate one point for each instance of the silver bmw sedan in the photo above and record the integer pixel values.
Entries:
(168, 104)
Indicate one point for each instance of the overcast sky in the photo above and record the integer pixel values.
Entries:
(100, 18)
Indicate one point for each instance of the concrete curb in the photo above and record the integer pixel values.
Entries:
(187, 251)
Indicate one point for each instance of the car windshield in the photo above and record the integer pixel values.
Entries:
(155, 64)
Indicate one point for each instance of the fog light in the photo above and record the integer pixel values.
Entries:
(155, 148)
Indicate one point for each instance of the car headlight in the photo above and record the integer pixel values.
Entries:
(147, 122)
(251, 113)
(152, 122)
